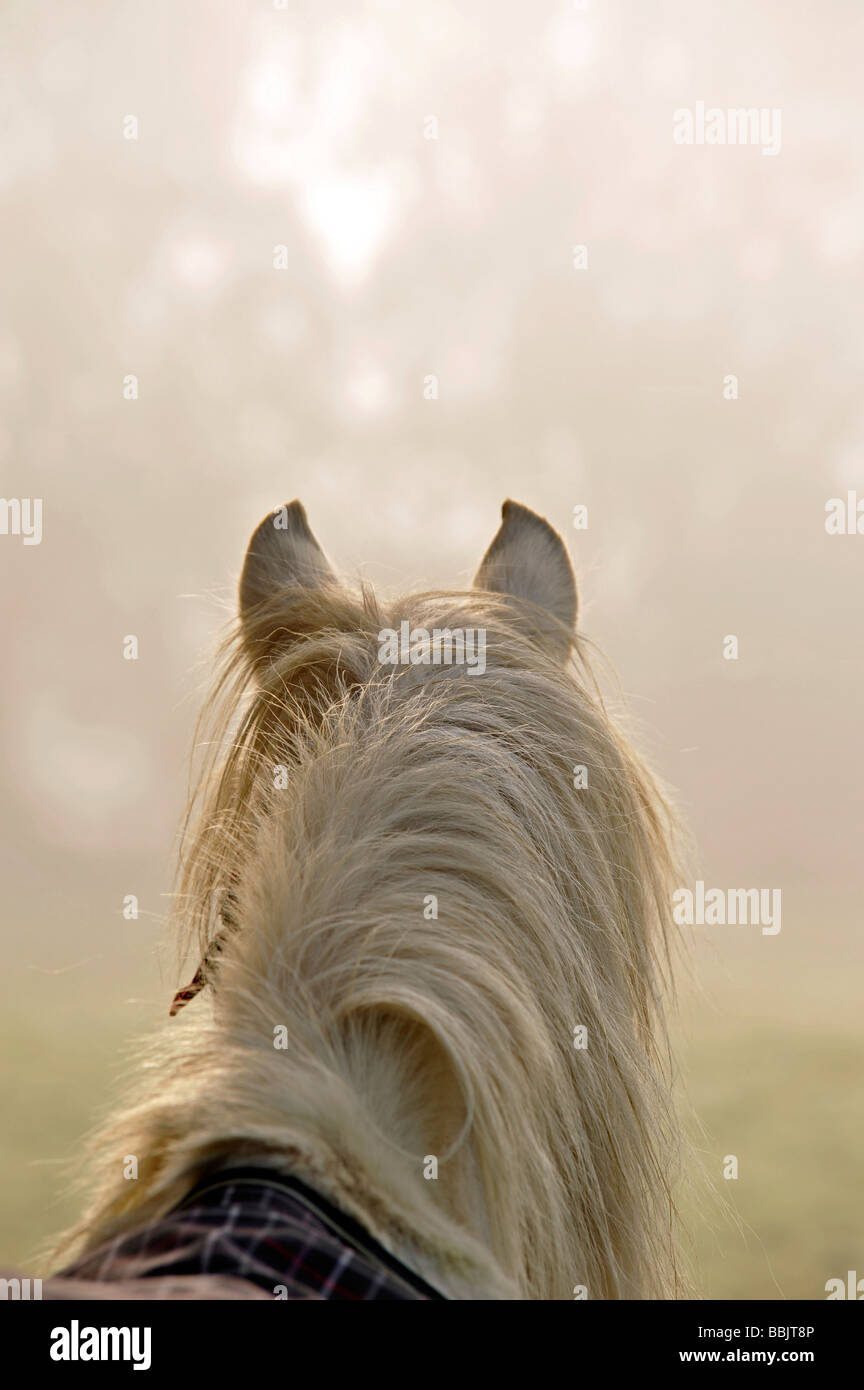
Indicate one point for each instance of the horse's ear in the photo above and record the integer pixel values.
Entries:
(528, 561)
(282, 553)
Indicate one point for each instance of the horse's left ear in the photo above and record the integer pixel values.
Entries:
(528, 561)
(283, 553)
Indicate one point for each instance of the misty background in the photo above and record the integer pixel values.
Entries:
(298, 137)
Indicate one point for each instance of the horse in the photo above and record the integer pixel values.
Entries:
(432, 906)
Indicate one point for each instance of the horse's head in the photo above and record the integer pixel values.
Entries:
(433, 883)
(526, 563)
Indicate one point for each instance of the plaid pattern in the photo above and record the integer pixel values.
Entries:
(271, 1231)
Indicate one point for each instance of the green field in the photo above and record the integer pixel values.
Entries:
(789, 1104)
(785, 1098)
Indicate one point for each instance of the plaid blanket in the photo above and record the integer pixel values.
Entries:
(258, 1226)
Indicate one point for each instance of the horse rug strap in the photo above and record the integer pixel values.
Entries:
(264, 1228)
(344, 1227)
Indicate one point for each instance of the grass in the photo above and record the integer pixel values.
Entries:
(56, 1078)
(782, 1093)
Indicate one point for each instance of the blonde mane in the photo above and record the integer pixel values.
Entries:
(406, 909)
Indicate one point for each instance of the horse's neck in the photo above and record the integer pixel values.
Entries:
(433, 1242)
(405, 1166)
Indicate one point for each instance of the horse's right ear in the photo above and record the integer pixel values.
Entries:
(282, 554)
(528, 561)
